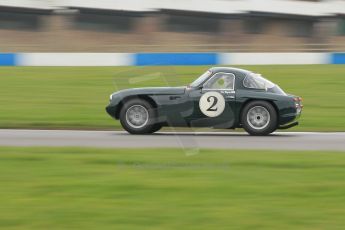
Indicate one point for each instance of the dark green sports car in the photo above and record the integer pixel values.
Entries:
(222, 97)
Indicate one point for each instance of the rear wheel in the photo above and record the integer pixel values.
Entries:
(259, 118)
(137, 116)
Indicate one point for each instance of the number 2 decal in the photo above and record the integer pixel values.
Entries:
(214, 103)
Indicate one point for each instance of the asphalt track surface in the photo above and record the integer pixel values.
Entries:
(186, 140)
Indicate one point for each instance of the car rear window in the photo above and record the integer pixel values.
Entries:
(256, 81)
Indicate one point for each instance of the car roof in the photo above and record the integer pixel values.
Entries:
(228, 70)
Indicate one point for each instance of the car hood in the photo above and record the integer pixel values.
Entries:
(151, 91)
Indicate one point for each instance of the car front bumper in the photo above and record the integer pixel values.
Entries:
(111, 110)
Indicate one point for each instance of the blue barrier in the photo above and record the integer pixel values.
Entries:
(7, 59)
(149, 59)
(143, 59)
(338, 58)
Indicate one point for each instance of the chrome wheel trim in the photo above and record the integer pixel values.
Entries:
(137, 116)
(258, 117)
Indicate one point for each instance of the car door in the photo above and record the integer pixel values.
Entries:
(214, 102)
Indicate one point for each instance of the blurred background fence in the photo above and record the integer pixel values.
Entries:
(172, 26)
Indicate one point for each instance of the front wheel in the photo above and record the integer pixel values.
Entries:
(259, 118)
(137, 116)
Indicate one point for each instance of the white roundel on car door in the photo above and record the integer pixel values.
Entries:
(212, 104)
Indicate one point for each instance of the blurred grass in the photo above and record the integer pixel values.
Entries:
(75, 188)
(75, 97)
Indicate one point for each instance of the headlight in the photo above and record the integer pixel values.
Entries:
(111, 97)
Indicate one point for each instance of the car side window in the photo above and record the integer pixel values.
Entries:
(221, 81)
(256, 81)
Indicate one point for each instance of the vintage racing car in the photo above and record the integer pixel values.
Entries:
(222, 97)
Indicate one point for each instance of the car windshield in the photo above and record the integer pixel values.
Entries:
(201, 79)
(256, 81)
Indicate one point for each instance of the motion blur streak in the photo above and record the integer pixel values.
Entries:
(172, 26)
(215, 140)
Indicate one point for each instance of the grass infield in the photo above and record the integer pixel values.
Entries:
(75, 188)
(75, 97)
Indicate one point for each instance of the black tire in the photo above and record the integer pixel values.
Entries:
(146, 109)
(258, 110)
(156, 128)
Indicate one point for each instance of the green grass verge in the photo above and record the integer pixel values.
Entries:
(75, 188)
(75, 97)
